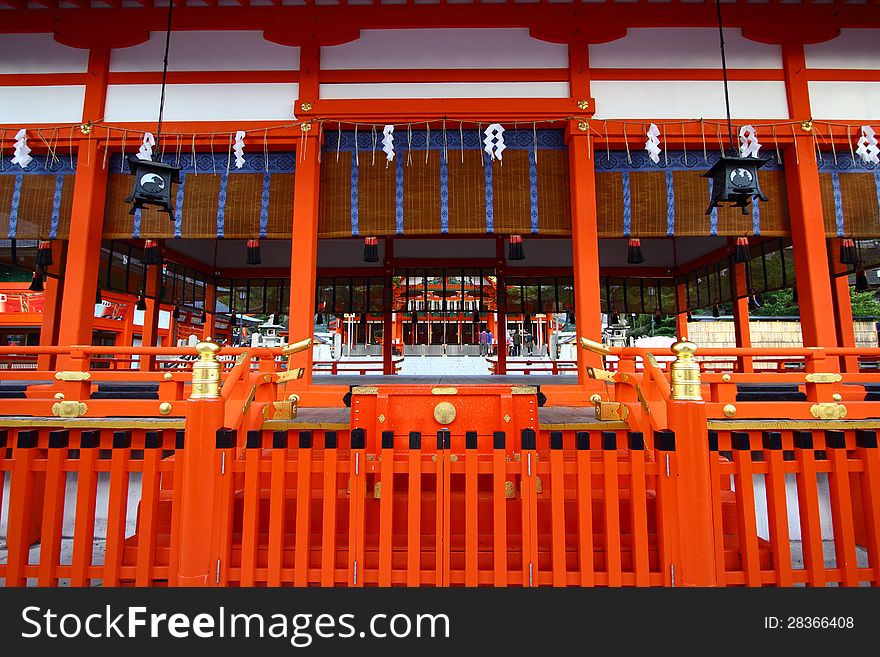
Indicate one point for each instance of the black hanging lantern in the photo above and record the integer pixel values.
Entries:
(475, 318)
(363, 320)
(689, 316)
(794, 294)
(734, 178)
(175, 313)
(37, 282)
(414, 319)
(527, 323)
(743, 252)
(98, 297)
(233, 319)
(141, 302)
(735, 182)
(253, 252)
(371, 249)
(44, 253)
(716, 311)
(151, 253)
(848, 251)
(152, 185)
(754, 302)
(515, 249)
(153, 179)
(861, 280)
(634, 251)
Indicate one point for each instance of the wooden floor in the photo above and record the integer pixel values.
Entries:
(507, 379)
(552, 418)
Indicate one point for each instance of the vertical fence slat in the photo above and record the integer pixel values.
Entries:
(53, 508)
(471, 545)
(414, 512)
(717, 485)
(117, 507)
(841, 507)
(86, 500)
(557, 510)
(611, 499)
(356, 508)
(328, 513)
(21, 495)
(639, 509)
(444, 480)
(302, 543)
(277, 501)
(777, 508)
(499, 508)
(586, 561)
(808, 508)
(528, 467)
(147, 514)
(250, 507)
(225, 491)
(177, 504)
(386, 508)
(745, 507)
(867, 452)
(667, 504)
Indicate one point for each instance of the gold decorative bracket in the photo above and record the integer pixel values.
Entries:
(828, 411)
(823, 377)
(73, 376)
(595, 347)
(69, 409)
(291, 375)
(297, 347)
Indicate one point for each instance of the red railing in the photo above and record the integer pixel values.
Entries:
(535, 366)
(354, 366)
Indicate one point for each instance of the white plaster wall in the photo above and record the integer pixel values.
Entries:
(201, 102)
(845, 100)
(458, 48)
(855, 48)
(207, 51)
(39, 53)
(688, 99)
(446, 90)
(31, 105)
(678, 47)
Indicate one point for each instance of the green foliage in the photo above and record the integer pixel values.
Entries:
(864, 304)
(776, 304)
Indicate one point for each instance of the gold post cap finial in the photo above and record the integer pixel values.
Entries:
(207, 349)
(206, 371)
(685, 372)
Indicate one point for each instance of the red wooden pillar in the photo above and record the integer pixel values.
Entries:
(843, 317)
(304, 237)
(209, 325)
(585, 247)
(388, 298)
(805, 208)
(501, 304)
(151, 314)
(681, 318)
(87, 215)
(741, 328)
(52, 307)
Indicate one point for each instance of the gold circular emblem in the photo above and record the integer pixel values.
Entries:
(444, 412)
(729, 410)
(165, 408)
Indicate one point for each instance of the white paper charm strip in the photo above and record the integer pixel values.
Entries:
(867, 146)
(145, 152)
(22, 154)
(653, 143)
(748, 142)
(388, 142)
(238, 149)
(494, 141)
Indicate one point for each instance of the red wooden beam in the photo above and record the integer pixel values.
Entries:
(789, 18)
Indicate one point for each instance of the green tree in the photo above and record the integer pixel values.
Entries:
(776, 304)
(864, 304)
